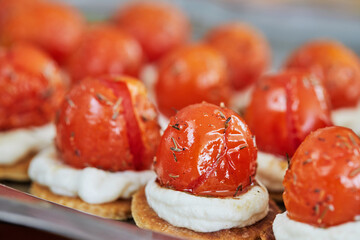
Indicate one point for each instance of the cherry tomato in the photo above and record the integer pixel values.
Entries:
(337, 65)
(192, 74)
(55, 27)
(31, 87)
(206, 150)
(108, 123)
(284, 109)
(246, 51)
(158, 27)
(322, 184)
(104, 49)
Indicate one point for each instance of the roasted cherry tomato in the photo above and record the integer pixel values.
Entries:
(246, 51)
(55, 27)
(31, 87)
(337, 65)
(284, 109)
(157, 26)
(105, 49)
(108, 123)
(190, 75)
(206, 150)
(322, 184)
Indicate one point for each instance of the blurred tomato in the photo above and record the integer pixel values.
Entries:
(189, 75)
(322, 184)
(107, 123)
(31, 87)
(285, 108)
(55, 27)
(158, 27)
(104, 49)
(338, 66)
(246, 51)
(206, 150)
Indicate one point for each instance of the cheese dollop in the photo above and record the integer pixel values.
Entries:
(285, 228)
(347, 117)
(271, 171)
(208, 214)
(16, 144)
(92, 185)
(241, 99)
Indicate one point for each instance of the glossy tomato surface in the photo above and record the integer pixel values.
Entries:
(31, 87)
(206, 150)
(107, 123)
(322, 185)
(190, 75)
(55, 27)
(246, 51)
(284, 109)
(158, 27)
(105, 49)
(338, 66)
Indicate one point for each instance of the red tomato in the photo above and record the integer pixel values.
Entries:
(338, 65)
(284, 109)
(55, 27)
(108, 123)
(322, 184)
(31, 87)
(158, 27)
(105, 49)
(192, 74)
(206, 150)
(246, 51)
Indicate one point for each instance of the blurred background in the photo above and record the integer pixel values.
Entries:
(285, 23)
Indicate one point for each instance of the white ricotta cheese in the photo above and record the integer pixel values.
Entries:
(347, 117)
(92, 185)
(207, 214)
(285, 228)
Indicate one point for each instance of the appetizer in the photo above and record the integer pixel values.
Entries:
(189, 75)
(158, 27)
(247, 54)
(205, 186)
(339, 68)
(322, 190)
(105, 49)
(106, 137)
(31, 87)
(53, 26)
(284, 109)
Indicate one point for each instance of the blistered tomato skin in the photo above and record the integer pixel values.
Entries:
(284, 109)
(338, 66)
(31, 87)
(105, 49)
(208, 151)
(107, 123)
(55, 27)
(159, 27)
(190, 75)
(246, 51)
(322, 184)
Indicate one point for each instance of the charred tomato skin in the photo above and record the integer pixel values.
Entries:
(159, 27)
(322, 182)
(31, 86)
(190, 75)
(55, 27)
(246, 51)
(206, 150)
(284, 109)
(105, 49)
(108, 123)
(337, 65)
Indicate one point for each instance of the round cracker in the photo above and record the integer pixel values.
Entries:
(18, 171)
